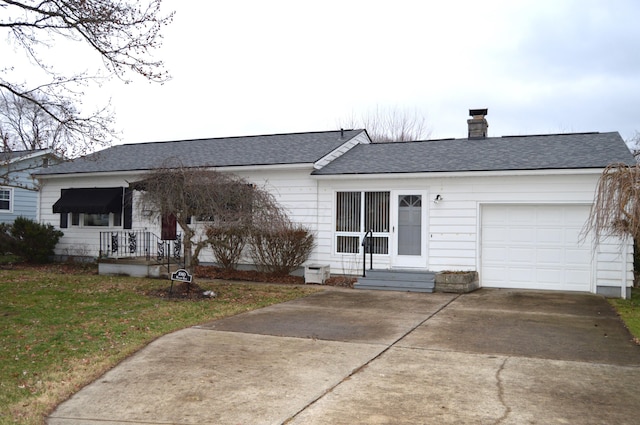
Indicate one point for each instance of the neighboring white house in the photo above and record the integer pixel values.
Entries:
(510, 208)
(18, 190)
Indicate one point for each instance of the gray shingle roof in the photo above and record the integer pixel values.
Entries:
(11, 155)
(560, 151)
(294, 148)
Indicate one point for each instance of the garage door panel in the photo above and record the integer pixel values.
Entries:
(574, 236)
(519, 255)
(494, 273)
(549, 276)
(549, 256)
(518, 215)
(549, 236)
(577, 256)
(519, 275)
(576, 277)
(521, 234)
(535, 247)
(574, 220)
(494, 234)
(548, 217)
(495, 255)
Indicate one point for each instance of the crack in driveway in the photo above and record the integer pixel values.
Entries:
(376, 357)
(501, 395)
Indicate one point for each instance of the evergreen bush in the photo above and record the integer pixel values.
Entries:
(32, 241)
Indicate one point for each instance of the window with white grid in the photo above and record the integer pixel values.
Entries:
(5, 199)
(358, 213)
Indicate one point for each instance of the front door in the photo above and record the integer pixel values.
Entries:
(409, 231)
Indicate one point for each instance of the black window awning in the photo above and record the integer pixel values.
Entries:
(99, 200)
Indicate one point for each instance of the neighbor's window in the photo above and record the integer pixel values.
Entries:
(356, 214)
(5, 199)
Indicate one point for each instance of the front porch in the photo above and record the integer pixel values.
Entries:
(139, 253)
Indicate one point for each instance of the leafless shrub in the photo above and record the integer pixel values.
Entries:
(227, 244)
(198, 195)
(280, 249)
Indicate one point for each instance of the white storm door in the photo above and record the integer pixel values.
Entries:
(409, 229)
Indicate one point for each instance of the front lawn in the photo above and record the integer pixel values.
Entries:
(629, 311)
(63, 328)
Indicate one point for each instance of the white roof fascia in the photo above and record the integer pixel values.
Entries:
(31, 155)
(285, 167)
(446, 174)
(360, 138)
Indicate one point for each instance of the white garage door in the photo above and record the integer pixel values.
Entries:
(535, 247)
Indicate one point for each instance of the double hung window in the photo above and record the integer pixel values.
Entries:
(5, 199)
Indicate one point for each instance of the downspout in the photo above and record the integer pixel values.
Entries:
(625, 264)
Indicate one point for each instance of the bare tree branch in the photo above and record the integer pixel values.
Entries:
(215, 199)
(634, 145)
(123, 33)
(616, 207)
(390, 125)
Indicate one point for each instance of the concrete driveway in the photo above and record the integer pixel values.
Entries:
(372, 357)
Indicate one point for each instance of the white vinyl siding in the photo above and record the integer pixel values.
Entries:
(294, 190)
(454, 224)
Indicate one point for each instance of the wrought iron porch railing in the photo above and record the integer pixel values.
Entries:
(367, 247)
(139, 244)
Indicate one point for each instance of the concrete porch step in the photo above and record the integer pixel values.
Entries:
(397, 280)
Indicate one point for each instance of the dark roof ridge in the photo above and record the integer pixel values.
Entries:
(580, 133)
(241, 137)
(493, 137)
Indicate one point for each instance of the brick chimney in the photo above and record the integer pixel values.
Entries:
(478, 125)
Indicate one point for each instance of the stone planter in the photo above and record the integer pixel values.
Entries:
(457, 282)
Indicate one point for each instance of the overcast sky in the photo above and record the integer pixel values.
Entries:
(246, 67)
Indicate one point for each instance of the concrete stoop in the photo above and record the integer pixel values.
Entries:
(397, 280)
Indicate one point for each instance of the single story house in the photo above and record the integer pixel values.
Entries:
(18, 190)
(511, 208)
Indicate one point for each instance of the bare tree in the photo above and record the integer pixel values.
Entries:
(634, 145)
(198, 195)
(616, 207)
(47, 110)
(24, 126)
(390, 124)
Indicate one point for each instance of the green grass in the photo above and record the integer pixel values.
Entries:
(629, 311)
(60, 330)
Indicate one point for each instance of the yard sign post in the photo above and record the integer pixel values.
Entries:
(181, 275)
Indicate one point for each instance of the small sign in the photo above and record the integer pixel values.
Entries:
(181, 275)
